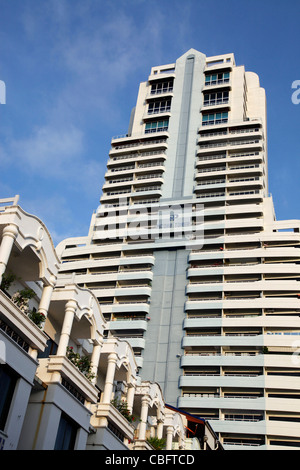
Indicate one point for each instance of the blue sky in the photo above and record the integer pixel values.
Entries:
(72, 70)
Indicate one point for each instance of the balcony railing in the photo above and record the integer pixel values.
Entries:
(215, 102)
(159, 91)
(222, 81)
(162, 109)
(106, 411)
(24, 328)
(69, 374)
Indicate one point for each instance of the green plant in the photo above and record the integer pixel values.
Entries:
(157, 443)
(7, 280)
(122, 407)
(37, 317)
(83, 363)
(21, 299)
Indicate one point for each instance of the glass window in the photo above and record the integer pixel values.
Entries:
(50, 349)
(214, 118)
(165, 86)
(7, 385)
(156, 126)
(159, 106)
(211, 99)
(66, 435)
(217, 78)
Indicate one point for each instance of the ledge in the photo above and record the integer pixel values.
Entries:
(21, 323)
(70, 372)
(109, 412)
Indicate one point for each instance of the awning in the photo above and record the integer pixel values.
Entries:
(189, 417)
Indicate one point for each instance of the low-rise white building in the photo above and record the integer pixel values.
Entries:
(64, 383)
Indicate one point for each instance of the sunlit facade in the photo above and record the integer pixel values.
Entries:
(211, 308)
(63, 384)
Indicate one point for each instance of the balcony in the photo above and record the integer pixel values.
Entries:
(58, 369)
(127, 144)
(161, 92)
(128, 322)
(222, 381)
(106, 413)
(157, 112)
(196, 359)
(21, 324)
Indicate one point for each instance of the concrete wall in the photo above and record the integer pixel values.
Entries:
(164, 332)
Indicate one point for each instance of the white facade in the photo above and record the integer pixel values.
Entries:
(214, 319)
(63, 384)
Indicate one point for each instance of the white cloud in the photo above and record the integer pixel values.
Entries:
(49, 150)
(55, 212)
(53, 156)
(84, 55)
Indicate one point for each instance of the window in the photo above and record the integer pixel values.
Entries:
(157, 126)
(217, 78)
(214, 118)
(7, 385)
(159, 107)
(50, 349)
(66, 434)
(164, 86)
(212, 99)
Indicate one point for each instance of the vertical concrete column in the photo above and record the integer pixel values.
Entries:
(169, 438)
(109, 380)
(95, 360)
(159, 429)
(15, 419)
(144, 417)
(46, 297)
(70, 310)
(130, 396)
(181, 442)
(9, 235)
(152, 430)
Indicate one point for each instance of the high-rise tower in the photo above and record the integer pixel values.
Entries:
(187, 259)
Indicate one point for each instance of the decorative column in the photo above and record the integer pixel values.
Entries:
(46, 297)
(9, 235)
(95, 360)
(130, 396)
(159, 429)
(169, 438)
(70, 310)
(109, 380)
(144, 417)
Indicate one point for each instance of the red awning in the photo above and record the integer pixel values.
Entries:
(189, 417)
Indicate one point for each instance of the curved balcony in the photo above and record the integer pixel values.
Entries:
(58, 369)
(130, 307)
(129, 323)
(106, 413)
(21, 323)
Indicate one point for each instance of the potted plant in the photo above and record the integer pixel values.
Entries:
(22, 297)
(83, 363)
(122, 407)
(7, 280)
(157, 444)
(37, 317)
